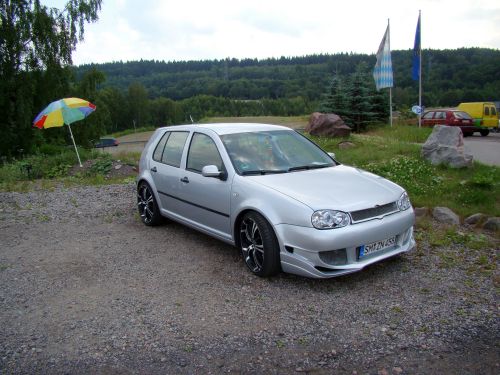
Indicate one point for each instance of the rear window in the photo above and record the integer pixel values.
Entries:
(172, 153)
(462, 115)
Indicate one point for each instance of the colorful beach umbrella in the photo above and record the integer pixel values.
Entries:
(64, 111)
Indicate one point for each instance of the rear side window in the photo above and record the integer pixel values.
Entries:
(487, 111)
(428, 115)
(174, 146)
(203, 151)
(462, 115)
(160, 146)
(493, 111)
(440, 115)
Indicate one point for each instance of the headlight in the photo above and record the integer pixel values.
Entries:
(329, 219)
(404, 202)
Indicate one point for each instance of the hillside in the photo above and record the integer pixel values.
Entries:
(449, 76)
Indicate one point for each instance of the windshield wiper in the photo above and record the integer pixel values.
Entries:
(307, 167)
(263, 171)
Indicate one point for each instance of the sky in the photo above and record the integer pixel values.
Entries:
(175, 30)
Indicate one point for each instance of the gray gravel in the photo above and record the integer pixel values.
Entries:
(86, 288)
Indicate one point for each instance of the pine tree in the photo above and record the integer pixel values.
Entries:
(360, 103)
(336, 100)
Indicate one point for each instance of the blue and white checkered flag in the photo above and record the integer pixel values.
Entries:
(383, 68)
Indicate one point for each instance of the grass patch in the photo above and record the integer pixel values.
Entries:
(122, 133)
(294, 122)
(403, 133)
(466, 191)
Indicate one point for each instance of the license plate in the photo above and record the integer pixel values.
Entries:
(374, 247)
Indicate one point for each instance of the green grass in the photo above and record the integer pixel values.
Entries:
(46, 171)
(295, 122)
(122, 133)
(466, 191)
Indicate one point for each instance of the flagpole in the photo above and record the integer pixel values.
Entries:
(390, 88)
(420, 71)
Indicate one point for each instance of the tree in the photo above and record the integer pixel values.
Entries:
(138, 104)
(359, 106)
(336, 100)
(36, 43)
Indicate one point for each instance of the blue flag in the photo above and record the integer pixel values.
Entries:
(416, 53)
(382, 73)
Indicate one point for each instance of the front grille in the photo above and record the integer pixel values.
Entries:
(371, 213)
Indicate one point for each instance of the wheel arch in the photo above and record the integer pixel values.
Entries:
(238, 220)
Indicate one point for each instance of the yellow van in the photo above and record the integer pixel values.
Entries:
(483, 113)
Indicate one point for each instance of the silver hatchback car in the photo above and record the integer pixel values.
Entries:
(277, 196)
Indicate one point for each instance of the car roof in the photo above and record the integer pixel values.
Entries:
(443, 110)
(230, 128)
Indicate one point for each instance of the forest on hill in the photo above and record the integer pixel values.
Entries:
(449, 76)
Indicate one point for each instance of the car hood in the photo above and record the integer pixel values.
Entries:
(340, 188)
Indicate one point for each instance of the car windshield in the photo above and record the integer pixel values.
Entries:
(278, 151)
(463, 115)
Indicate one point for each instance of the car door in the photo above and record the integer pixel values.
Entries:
(206, 199)
(165, 170)
(427, 119)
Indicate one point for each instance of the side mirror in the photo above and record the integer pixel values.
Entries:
(212, 171)
(332, 155)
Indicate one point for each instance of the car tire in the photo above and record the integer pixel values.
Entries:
(259, 245)
(484, 133)
(147, 205)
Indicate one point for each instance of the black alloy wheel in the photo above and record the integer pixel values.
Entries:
(259, 246)
(147, 206)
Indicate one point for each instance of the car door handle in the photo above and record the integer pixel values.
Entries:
(185, 179)
(154, 169)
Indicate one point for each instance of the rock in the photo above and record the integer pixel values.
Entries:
(493, 224)
(397, 370)
(445, 145)
(445, 215)
(474, 219)
(118, 166)
(328, 125)
(346, 145)
(420, 211)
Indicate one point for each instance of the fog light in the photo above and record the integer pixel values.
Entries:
(334, 257)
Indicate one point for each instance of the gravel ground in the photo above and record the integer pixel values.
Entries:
(87, 288)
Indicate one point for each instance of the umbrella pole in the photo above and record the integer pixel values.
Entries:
(74, 144)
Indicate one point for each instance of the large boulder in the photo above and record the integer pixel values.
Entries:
(328, 125)
(445, 215)
(445, 145)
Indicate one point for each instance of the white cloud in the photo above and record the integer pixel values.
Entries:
(189, 29)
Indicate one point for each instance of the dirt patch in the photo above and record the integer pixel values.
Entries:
(114, 169)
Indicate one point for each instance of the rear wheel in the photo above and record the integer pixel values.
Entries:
(147, 206)
(484, 132)
(259, 246)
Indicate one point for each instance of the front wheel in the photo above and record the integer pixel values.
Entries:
(259, 246)
(485, 132)
(147, 206)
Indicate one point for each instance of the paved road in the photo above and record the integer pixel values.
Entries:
(484, 149)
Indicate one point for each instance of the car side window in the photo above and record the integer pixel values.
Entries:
(440, 115)
(493, 111)
(159, 147)
(487, 111)
(202, 152)
(173, 148)
(428, 115)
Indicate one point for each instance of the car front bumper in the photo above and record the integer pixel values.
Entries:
(302, 248)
